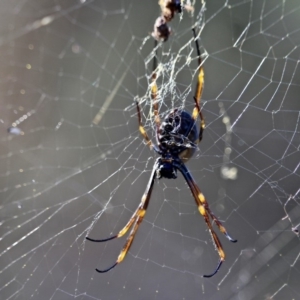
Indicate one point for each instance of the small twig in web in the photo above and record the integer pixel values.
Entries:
(169, 8)
(109, 99)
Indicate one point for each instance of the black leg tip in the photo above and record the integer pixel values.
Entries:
(215, 272)
(230, 238)
(103, 240)
(106, 270)
(100, 271)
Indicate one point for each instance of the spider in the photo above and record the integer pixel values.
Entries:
(177, 137)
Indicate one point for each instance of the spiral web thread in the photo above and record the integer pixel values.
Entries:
(73, 162)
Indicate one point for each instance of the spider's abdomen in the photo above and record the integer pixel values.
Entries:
(178, 134)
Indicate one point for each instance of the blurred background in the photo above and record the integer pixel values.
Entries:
(73, 162)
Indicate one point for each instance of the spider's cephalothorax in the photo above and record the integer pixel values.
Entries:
(165, 167)
(177, 136)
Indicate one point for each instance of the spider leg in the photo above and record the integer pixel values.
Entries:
(199, 90)
(144, 132)
(206, 213)
(155, 109)
(142, 128)
(200, 200)
(154, 93)
(135, 220)
(121, 232)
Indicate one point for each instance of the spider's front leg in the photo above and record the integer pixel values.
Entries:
(155, 109)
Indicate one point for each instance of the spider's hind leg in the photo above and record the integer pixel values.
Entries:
(207, 214)
(135, 220)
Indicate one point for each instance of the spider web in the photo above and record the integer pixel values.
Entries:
(73, 162)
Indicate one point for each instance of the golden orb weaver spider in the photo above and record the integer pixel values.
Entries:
(177, 137)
